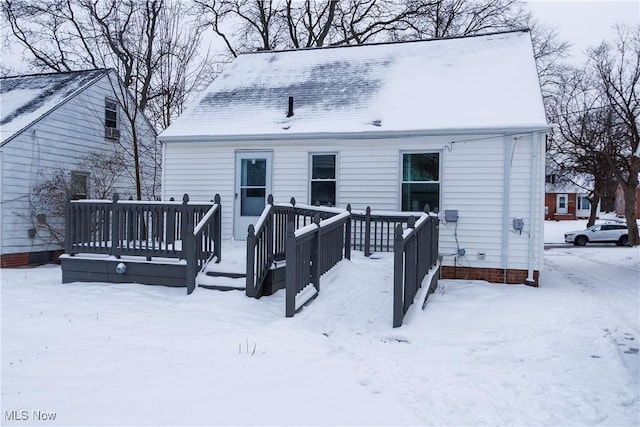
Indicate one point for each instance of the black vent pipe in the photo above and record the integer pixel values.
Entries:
(290, 111)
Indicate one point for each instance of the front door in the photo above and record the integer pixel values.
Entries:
(561, 206)
(253, 184)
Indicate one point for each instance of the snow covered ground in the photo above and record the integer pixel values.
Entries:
(565, 353)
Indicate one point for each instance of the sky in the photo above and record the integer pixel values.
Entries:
(583, 23)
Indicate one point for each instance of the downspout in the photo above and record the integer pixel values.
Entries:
(162, 173)
(506, 188)
(533, 197)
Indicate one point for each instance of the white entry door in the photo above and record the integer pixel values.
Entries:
(253, 185)
(562, 204)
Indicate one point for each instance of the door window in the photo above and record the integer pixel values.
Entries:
(253, 190)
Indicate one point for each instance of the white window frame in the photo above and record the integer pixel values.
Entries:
(311, 179)
(402, 181)
(115, 110)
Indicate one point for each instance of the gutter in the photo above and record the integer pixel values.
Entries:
(387, 134)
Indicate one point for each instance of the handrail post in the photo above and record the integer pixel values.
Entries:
(269, 230)
(217, 231)
(67, 228)
(315, 253)
(250, 267)
(367, 232)
(189, 248)
(347, 235)
(398, 259)
(290, 271)
(115, 227)
(184, 218)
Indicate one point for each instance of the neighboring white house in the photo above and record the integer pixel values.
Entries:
(49, 122)
(456, 123)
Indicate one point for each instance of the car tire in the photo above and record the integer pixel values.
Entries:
(580, 241)
(624, 241)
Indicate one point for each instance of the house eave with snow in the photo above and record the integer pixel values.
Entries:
(455, 123)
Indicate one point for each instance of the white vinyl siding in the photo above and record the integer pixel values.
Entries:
(58, 140)
(472, 180)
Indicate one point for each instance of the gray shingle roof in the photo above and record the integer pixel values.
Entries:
(26, 99)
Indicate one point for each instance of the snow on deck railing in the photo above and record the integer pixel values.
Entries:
(140, 228)
(415, 252)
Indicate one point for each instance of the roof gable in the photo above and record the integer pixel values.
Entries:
(472, 83)
(26, 99)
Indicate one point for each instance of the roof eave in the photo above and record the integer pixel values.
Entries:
(355, 135)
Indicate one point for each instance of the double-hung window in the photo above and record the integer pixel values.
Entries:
(111, 130)
(420, 181)
(323, 179)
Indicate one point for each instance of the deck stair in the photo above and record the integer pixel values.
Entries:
(222, 281)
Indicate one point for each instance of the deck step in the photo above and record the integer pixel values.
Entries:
(221, 281)
(221, 287)
(231, 275)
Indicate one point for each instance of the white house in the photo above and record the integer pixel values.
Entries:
(456, 123)
(48, 122)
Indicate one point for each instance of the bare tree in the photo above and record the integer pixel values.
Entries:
(153, 44)
(48, 198)
(617, 69)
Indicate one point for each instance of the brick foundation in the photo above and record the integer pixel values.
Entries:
(24, 259)
(493, 275)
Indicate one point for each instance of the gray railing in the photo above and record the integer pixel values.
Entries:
(374, 232)
(311, 251)
(183, 230)
(266, 241)
(415, 252)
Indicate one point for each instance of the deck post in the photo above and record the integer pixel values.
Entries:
(115, 227)
(398, 258)
(347, 235)
(67, 228)
(189, 249)
(184, 217)
(217, 232)
(315, 254)
(367, 232)
(290, 271)
(250, 267)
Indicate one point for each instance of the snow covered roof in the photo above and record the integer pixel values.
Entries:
(26, 99)
(471, 83)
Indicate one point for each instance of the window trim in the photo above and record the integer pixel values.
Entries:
(87, 175)
(401, 175)
(310, 174)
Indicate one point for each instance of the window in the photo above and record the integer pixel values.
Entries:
(551, 179)
(79, 185)
(420, 181)
(562, 202)
(323, 179)
(111, 119)
(583, 203)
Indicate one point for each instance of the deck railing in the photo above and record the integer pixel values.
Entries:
(266, 240)
(374, 231)
(415, 252)
(183, 230)
(311, 251)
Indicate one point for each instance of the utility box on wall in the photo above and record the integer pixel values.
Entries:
(451, 215)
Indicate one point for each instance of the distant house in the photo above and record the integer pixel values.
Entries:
(48, 122)
(620, 203)
(457, 124)
(566, 200)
